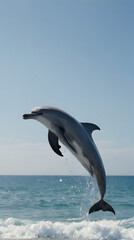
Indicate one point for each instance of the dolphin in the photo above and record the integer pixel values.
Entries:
(77, 137)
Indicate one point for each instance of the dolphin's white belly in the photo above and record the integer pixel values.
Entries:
(91, 164)
(84, 161)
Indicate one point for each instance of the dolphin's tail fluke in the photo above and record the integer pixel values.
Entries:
(101, 205)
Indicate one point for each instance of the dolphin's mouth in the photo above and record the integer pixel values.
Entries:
(27, 116)
(31, 115)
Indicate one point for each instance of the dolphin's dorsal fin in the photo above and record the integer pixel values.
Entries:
(53, 140)
(90, 127)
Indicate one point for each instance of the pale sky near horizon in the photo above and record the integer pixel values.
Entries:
(77, 55)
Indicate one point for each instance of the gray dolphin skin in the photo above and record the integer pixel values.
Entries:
(77, 137)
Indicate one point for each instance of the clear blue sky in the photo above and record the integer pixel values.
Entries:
(77, 55)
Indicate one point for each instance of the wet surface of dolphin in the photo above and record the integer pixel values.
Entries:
(77, 137)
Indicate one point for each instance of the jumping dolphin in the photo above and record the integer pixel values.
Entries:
(77, 137)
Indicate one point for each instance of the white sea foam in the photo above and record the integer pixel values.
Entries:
(85, 230)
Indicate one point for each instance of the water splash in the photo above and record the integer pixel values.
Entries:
(99, 230)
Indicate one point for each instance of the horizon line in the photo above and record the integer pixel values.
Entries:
(65, 175)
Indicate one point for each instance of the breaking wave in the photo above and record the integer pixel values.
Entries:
(84, 230)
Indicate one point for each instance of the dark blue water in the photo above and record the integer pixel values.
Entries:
(26, 201)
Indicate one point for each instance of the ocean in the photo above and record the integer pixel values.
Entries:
(56, 207)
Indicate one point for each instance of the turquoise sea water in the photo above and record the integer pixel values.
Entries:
(57, 207)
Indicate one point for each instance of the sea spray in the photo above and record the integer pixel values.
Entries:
(97, 230)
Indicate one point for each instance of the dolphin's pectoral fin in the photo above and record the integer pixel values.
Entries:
(90, 127)
(61, 133)
(101, 205)
(53, 140)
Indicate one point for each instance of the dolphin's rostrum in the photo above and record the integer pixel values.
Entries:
(77, 137)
